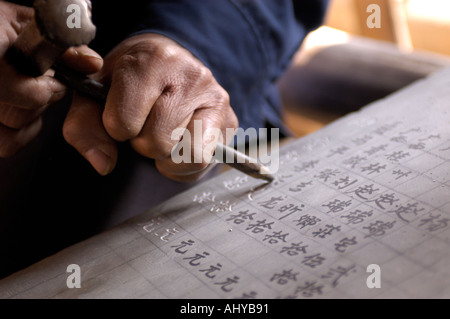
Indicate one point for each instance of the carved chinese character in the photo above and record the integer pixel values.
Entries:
(236, 183)
(373, 168)
(408, 209)
(385, 199)
(307, 220)
(205, 197)
(183, 244)
(397, 156)
(305, 166)
(222, 207)
(434, 223)
(272, 202)
(153, 224)
(300, 187)
(284, 277)
(386, 128)
(417, 146)
(336, 273)
(169, 232)
(399, 139)
(241, 217)
(213, 268)
(193, 261)
(313, 261)
(353, 161)
(294, 249)
(290, 209)
(378, 228)
(326, 174)
(309, 289)
(361, 140)
(225, 285)
(338, 151)
(344, 243)
(337, 205)
(260, 226)
(344, 182)
(275, 237)
(361, 191)
(326, 231)
(376, 149)
(400, 174)
(437, 136)
(357, 216)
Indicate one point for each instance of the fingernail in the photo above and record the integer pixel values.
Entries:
(90, 54)
(101, 162)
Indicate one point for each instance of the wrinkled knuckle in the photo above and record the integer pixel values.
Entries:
(142, 55)
(195, 75)
(127, 61)
(203, 76)
(205, 73)
(160, 51)
(222, 97)
(131, 63)
(166, 54)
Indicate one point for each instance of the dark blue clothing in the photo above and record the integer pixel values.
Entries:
(247, 44)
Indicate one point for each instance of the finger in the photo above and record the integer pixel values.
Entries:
(17, 118)
(23, 15)
(133, 91)
(186, 177)
(19, 17)
(11, 140)
(174, 110)
(82, 59)
(198, 161)
(83, 129)
(27, 92)
(212, 129)
(158, 136)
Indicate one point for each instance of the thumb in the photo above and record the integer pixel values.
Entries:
(83, 129)
(82, 59)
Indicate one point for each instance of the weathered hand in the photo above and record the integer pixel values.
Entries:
(156, 86)
(23, 99)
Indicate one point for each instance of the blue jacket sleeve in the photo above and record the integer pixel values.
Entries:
(247, 44)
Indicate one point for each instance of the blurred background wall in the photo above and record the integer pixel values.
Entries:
(345, 64)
